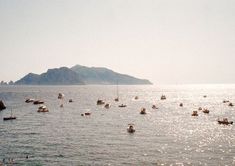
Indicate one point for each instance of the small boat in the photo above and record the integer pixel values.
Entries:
(87, 113)
(60, 96)
(154, 107)
(225, 121)
(136, 98)
(29, 100)
(122, 105)
(116, 99)
(206, 111)
(226, 101)
(181, 104)
(10, 117)
(230, 105)
(38, 102)
(143, 111)
(43, 108)
(194, 113)
(70, 100)
(61, 105)
(130, 128)
(107, 106)
(163, 97)
(100, 102)
(200, 108)
(205, 96)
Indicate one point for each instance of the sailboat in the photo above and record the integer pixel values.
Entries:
(117, 98)
(10, 117)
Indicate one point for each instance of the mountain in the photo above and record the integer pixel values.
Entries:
(100, 75)
(60, 76)
(80, 75)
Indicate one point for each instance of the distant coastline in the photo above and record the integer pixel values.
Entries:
(79, 75)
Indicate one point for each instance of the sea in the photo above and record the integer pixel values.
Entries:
(168, 135)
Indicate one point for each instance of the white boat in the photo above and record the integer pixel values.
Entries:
(43, 108)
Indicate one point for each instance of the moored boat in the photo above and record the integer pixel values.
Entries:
(10, 117)
(163, 97)
(206, 111)
(60, 96)
(130, 128)
(230, 105)
(154, 107)
(43, 108)
(38, 102)
(107, 106)
(29, 100)
(122, 105)
(194, 113)
(225, 121)
(143, 111)
(100, 102)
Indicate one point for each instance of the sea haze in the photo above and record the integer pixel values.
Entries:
(168, 135)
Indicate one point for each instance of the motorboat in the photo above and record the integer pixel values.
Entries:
(86, 114)
(29, 100)
(200, 108)
(122, 105)
(107, 106)
(154, 107)
(194, 113)
(181, 104)
(70, 100)
(225, 121)
(43, 108)
(100, 102)
(206, 111)
(143, 111)
(205, 96)
(60, 96)
(130, 128)
(136, 98)
(163, 97)
(116, 99)
(36, 102)
(10, 117)
(230, 104)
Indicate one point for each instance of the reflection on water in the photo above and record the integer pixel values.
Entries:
(168, 135)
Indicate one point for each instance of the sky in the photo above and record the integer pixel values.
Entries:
(165, 41)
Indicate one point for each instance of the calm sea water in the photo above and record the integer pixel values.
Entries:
(167, 136)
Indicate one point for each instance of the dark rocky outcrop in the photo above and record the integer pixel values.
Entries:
(2, 106)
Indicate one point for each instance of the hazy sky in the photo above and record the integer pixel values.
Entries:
(165, 41)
